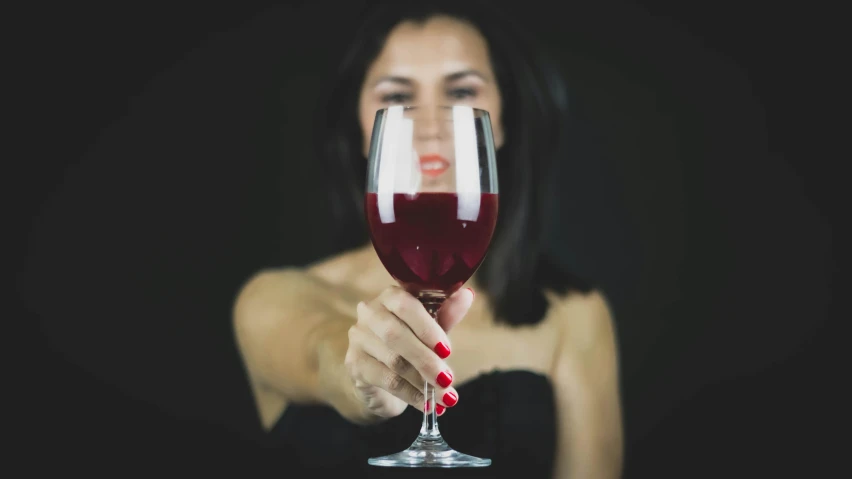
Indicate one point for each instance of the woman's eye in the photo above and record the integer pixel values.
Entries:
(396, 98)
(461, 93)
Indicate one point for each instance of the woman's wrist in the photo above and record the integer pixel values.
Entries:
(334, 383)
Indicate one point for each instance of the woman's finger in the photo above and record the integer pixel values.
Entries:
(374, 347)
(454, 308)
(397, 346)
(412, 312)
(370, 372)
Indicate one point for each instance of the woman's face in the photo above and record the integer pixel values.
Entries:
(443, 61)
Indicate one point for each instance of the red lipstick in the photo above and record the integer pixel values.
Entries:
(433, 165)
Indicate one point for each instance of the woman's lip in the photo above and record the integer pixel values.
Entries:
(433, 165)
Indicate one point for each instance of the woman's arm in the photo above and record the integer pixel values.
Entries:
(586, 381)
(305, 340)
(289, 327)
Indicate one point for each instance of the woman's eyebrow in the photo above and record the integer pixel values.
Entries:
(394, 79)
(461, 74)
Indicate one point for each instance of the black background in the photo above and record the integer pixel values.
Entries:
(165, 162)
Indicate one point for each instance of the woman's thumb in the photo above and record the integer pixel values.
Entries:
(454, 308)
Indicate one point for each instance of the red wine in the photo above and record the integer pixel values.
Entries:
(431, 241)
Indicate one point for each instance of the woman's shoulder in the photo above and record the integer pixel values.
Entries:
(271, 288)
(584, 322)
(358, 271)
(591, 302)
(575, 308)
(338, 268)
(270, 283)
(332, 270)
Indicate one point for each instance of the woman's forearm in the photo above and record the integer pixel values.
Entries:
(334, 386)
(292, 335)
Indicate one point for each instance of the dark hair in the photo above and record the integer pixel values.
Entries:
(534, 99)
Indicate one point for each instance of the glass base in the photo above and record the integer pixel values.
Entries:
(429, 452)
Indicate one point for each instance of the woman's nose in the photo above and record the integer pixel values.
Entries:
(428, 124)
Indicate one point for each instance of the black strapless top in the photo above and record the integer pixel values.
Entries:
(507, 416)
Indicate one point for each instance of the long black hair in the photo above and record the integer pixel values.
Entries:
(535, 118)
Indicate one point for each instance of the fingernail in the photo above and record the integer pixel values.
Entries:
(472, 292)
(439, 409)
(442, 350)
(450, 399)
(445, 379)
(426, 406)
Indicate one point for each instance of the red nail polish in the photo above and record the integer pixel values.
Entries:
(444, 379)
(426, 406)
(472, 292)
(450, 399)
(442, 350)
(439, 409)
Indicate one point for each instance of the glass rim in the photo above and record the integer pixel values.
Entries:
(477, 112)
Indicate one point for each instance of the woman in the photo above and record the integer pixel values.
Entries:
(529, 378)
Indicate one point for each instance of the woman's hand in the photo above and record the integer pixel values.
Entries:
(395, 347)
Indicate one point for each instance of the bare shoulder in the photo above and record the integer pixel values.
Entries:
(328, 283)
(585, 320)
(268, 284)
(260, 299)
(359, 271)
(269, 287)
(273, 292)
(340, 268)
(265, 280)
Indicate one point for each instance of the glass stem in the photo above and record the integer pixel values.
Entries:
(430, 417)
(429, 429)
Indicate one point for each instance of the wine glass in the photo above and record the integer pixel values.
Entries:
(431, 207)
